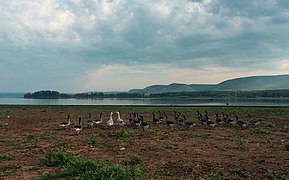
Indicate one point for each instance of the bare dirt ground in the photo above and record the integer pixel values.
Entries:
(223, 152)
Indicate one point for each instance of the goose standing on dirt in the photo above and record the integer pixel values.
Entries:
(89, 120)
(161, 117)
(252, 121)
(230, 121)
(156, 120)
(99, 120)
(119, 121)
(188, 124)
(66, 123)
(143, 124)
(210, 123)
(78, 127)
(218, 120)
(168, 122)
(110, 121)
(240, 123)
(199, 116)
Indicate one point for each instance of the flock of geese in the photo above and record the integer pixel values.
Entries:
(162, 118)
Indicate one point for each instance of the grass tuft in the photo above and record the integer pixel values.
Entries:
(77, 168)
(5, 158)
(134, 160)
(260, 131)
(7, 167)
(241, 143)
(286, 146)
(122, 133)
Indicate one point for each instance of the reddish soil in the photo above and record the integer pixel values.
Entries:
(28, 132)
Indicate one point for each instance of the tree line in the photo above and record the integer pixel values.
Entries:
(47, 94)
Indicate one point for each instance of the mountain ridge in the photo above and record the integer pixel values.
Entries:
(273, 82)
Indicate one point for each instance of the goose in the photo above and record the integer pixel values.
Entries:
(252, 121)
(168, 122)
(199, 116)
(230, 121)
(209, 122)
(110, 121)
(134, 121)
(161, 117)
(218, 120)
(188, 124)
(240, 123)
(143, 124)
(89, 120)
(130, 119)
(205, 119)
(225, 118)
(119, 121)
(78, 127)
(98, 121)
(156, 120)
(66, 123)
(179, 120)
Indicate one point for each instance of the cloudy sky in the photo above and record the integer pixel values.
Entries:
(112, 45)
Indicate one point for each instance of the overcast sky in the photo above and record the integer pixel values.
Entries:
(111, 45)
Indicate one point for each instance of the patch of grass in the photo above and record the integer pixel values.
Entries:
(51, 176)
(271, 125)
(286, 146)
(57, 159)
(1, 125)
(17, 147)
(241, 143)
(260, 131)
(161, 171)
(92, 140)
(109, 144)
(7, 167)
(44, 110)
(195, 144)
(47, 137)
(77, 168)
(30, 138)
(122, 133)
(276, 175)
(5, 158)
(205, 135)
(134, 160)
(61, 144)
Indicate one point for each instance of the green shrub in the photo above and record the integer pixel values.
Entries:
(7, 167)
(5, 158)
(122, 133)
(241, 143)
(134, 160)
(78, 168)
(58, 159)
(92, 140)
(260, 131)
(286, 146)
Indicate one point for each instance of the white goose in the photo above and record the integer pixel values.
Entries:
(119, 121)
(110, 121)
(66, 123)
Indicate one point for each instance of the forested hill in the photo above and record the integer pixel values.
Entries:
(238, 84)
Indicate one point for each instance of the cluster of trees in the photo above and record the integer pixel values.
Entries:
(47, 94)
(200, 94)
(112, 95)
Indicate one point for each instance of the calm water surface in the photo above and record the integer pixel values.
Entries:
(146, 101)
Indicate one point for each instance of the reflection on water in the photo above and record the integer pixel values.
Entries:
(146, 101)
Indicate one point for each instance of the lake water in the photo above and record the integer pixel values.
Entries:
(16, 99)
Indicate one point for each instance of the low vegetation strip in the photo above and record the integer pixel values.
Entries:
(78, 168)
